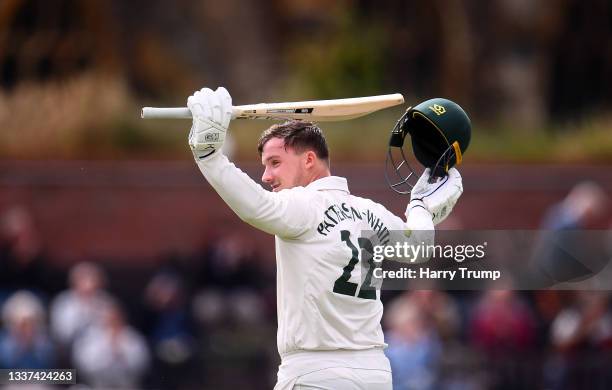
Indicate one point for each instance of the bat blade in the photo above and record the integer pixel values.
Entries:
(314, 110)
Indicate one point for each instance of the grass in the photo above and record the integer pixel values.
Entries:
(591, 141)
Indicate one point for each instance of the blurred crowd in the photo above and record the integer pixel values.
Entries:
(210, 325)
(209, 321)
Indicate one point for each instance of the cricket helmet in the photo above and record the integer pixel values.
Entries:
(440, 133)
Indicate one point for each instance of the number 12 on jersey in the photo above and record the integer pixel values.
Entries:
(342, 284)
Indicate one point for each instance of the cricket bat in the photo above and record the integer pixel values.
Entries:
(314, 110)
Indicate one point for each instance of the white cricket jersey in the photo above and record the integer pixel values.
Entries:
(320, 303)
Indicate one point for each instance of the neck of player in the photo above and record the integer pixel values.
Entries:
(319, 171)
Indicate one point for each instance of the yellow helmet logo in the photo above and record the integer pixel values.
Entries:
(438, 109)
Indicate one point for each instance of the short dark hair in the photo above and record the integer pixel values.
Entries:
(299, 135)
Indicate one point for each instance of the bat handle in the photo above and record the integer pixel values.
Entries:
(173, 112)
(166, 112)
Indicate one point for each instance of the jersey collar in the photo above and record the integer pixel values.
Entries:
(329, 183)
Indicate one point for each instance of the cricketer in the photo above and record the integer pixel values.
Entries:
(329, 332)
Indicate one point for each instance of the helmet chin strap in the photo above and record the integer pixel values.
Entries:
(443, 164)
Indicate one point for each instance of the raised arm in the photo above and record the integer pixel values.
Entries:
(430, 204)
(285, 213)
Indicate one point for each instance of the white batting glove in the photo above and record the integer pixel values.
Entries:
(212, 112)
(438, 198)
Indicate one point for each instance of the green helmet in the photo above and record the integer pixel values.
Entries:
(440, 133)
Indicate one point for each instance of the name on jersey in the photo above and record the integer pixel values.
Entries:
(335, 214)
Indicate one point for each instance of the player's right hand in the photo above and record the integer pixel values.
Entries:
(439, 197)
(211, 112)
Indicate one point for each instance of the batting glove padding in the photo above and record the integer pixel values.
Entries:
(212, 113)
(438, 198)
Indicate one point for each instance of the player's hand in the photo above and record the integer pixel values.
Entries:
(212, 112)
(439, 197)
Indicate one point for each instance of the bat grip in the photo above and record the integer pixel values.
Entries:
(165, 112)
(173, 112)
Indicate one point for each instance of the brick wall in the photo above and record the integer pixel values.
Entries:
(141, 210)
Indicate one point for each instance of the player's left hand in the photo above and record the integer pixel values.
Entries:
(439, 197)
(212, 113)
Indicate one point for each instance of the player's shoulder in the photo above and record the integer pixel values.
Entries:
(366, 202)
(371, 207)
(302, 196)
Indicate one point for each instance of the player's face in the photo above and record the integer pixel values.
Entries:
(284, 168)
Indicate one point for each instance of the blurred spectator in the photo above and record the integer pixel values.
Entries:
(24, 343)
(581, 336)
(547, 305)
(502, 324)
(231, 263)
(587, 322)
(457, 366)
(414, 346)
(239, 307)
(169, 330)
(111, 354)
(579, 209)
(76, 309)
(440, 310)
(565, 250)
(503, 329)
(236, 281)
(23, 263)
(209, 307)
(235, 312)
